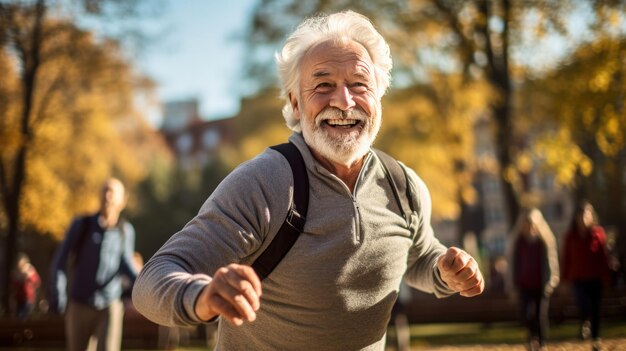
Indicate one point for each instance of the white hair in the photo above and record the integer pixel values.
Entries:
(342, 26)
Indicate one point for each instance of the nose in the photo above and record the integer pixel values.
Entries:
(342, 98)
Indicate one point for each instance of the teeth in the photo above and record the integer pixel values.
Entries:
(341, 122)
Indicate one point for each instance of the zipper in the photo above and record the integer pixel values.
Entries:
(358, 237)
(357, 222)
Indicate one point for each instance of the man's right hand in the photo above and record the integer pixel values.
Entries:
(234, 294)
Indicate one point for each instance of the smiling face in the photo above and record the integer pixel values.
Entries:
(338, 107)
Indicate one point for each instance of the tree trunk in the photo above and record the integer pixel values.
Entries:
(30, 55)
(504, 151)
(499, 76)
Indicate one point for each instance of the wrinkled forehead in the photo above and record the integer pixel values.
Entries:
(337, 54)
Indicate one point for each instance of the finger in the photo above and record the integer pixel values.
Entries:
(467, 272)
(461, 261)
(448, 258)
(454, 260)
(238, 299)
(225, 309)
(249, 275)
(476, 285)
(243, 287)
(477, 289)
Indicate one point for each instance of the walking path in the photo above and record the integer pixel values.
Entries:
(616, 344)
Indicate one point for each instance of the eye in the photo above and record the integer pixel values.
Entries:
(359, 87)
(324, 87)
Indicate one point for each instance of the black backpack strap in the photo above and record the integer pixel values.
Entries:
(76, 250)
(85, 226)
(399, 180)
(296, 215)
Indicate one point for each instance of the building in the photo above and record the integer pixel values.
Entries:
(194, 141)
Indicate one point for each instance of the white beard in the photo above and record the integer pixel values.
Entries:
(344, 148)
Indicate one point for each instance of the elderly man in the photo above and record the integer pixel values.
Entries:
(335, 288)
(102, 247)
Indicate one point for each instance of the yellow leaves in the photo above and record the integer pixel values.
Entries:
(43, 199)
(431, 129)
(582, 104)
(601, 80)
(524, 161)
(610, 135)
(469, 195)
(561, 155)
(259, 124)
(589, 117)
(511, 175)
(615, 18)
(610, 15)
(84, 125)
(274, 134)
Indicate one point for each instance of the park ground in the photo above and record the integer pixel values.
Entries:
(508, 337)
(505, 336)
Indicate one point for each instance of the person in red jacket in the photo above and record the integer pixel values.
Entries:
(26, 281)
(586, 266)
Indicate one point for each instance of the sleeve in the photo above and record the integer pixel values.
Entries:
(58, 275)
(553, 265)
(603, 253)
(127, 266)
(422, 272)
(229, 228)
(35, 279)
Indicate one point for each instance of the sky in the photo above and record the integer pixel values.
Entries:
(196, 51)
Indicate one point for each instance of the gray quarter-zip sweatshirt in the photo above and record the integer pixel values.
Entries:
(335, 288)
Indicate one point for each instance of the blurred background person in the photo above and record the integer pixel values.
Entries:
(586, 266)
(497, 274)
(26, 282)
(102, 246)
(533, 272)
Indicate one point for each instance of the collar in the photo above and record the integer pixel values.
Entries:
(311, 163)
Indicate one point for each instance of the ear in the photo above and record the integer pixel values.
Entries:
(295, 106)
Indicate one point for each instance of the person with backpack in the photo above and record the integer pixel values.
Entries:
(304, 247)
(96, 253)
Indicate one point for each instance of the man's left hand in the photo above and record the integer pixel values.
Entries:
(460, 271)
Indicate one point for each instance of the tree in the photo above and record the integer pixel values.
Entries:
(583, 140)
(169, 198)
(426, 126)
(260, 124)
(68, 120)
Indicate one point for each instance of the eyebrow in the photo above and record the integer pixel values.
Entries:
(360, 75)
(321, 74)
